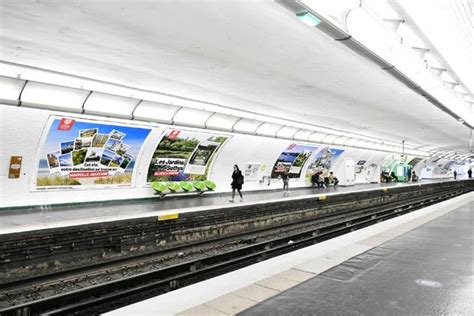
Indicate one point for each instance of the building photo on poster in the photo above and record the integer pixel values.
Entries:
(324, 159)
(184, 155)
(79, 153)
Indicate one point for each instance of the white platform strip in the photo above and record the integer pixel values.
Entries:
(236, 291)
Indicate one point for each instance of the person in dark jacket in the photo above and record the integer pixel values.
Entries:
(286, 182)
(469, 173)
(414, 177)
(237, 181)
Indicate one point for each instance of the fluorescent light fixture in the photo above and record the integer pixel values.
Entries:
(41, 95)
(317, 137)
(351, 142)
(191, 117)
(221, 122)
(110, 105)
(341, 140)
(10, 89)
(308, 19)
(268, 129)
(156, 112)
(303, 135)
(247, 126)
(377, 146)
(287, 132)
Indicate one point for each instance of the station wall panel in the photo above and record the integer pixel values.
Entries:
(22, 130)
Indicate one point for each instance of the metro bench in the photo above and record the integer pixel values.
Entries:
(199, 187)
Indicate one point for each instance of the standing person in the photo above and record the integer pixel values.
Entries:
(286, 182)
(455, 174)
(469, 173)
(237, 181)
(414, 177)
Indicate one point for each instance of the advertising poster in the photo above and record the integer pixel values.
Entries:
(292, 160)
(252, 171)
(360, 166)
(85, 153)
(324, 159)
(388, 164)
(449, 165)
(184, 155)
(414, 162)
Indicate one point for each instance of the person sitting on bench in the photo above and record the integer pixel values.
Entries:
(316, 179)
(393, 176)
(333, 179)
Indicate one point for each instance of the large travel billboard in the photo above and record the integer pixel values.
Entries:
(292, 160)
(79, 153)
(324, 159)
(184, 155)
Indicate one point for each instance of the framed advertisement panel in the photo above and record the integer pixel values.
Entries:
(81, 153)
(324, 159)
(183, 155)
(292, 160)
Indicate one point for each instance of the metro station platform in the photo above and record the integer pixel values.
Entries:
(418, 264)
(50, 216)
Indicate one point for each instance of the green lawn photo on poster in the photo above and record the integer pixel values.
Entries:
(175, 154)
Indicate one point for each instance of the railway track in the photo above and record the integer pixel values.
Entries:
(244, 237)
(240, 250)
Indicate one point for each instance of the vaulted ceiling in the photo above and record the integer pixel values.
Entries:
(249, 55)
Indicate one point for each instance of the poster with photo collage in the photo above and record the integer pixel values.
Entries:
(83, 153)
(183, 155)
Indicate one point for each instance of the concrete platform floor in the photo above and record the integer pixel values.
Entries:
(427, 271)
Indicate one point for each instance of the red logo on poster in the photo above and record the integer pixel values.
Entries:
(173, 134)
(65, 124)
(291, 146)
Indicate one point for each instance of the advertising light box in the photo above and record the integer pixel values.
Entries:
(292, 160)
(184, 155)
(323, 160)
(79, 153)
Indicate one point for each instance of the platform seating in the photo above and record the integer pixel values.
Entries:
(199, 187)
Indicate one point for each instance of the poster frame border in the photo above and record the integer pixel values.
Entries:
(44, 136)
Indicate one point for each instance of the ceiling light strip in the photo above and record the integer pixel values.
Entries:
(361, 49)
(332, 136)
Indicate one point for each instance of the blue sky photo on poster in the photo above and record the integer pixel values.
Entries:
(87, 153)
(292, 160)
